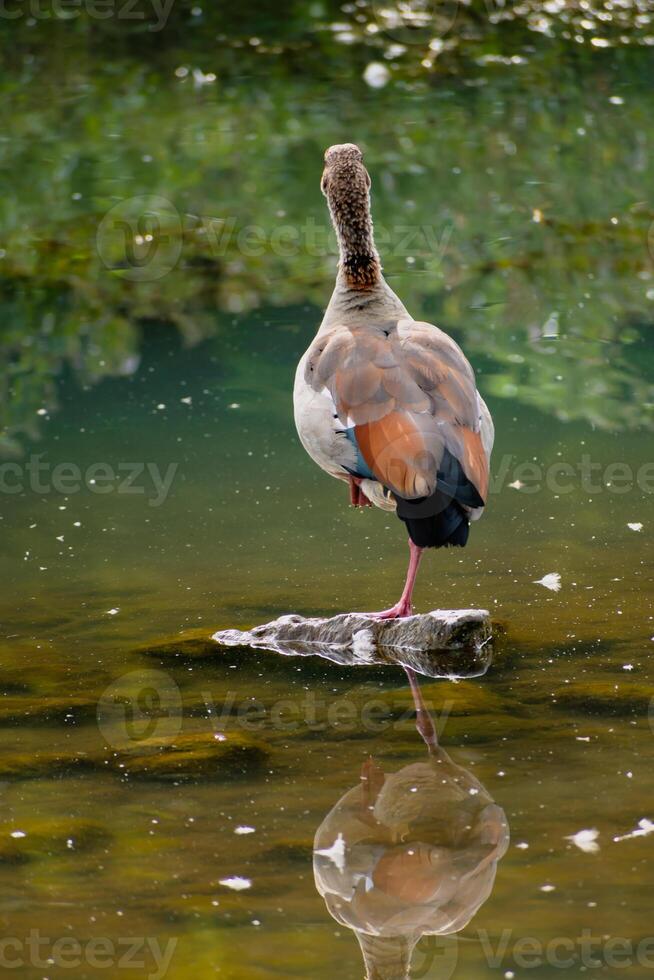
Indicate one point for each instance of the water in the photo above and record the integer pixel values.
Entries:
(513, 208)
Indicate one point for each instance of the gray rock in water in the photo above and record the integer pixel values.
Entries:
(441, 643)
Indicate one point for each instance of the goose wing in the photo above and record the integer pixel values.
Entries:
(407, 393)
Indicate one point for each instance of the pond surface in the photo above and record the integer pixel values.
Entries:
(154, 491)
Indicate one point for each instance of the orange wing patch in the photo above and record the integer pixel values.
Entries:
(395, 450)
(410, 393)
(475, 461)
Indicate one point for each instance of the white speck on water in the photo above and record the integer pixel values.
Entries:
(516, 485)
(644, 828)
(335, 853)
(244, 830)
(41, 411)
(636, 526)
(112, 612)
(547, 888)
(551, 327)
(376, 75)
(234, 405)
(523, 845)
(200, 79)
(236, 883)
(585, 840)
(16, 834)
(551, 581)
(627, 666)
(187, 401)
(615, 99)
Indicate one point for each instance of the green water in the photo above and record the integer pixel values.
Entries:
(513, 204)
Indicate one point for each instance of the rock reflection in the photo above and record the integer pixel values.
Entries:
(408, 854)
(441, 643)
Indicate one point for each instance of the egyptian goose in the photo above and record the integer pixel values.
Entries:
(385, 402)
(409, 853)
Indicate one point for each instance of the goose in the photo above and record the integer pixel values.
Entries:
(386, 403)
(409, 853)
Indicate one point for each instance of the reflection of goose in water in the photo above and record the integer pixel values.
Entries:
(408, 854)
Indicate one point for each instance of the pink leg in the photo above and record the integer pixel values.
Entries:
(424, 721)
(404, 606)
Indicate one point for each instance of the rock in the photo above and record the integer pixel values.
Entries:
(51, 838)
(43, 763)
(188, 647)
(46, 710)
(441, 643)
(611, 699)
(198, 755)
(465, 698)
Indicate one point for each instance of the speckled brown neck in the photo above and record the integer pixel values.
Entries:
(347, 190)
